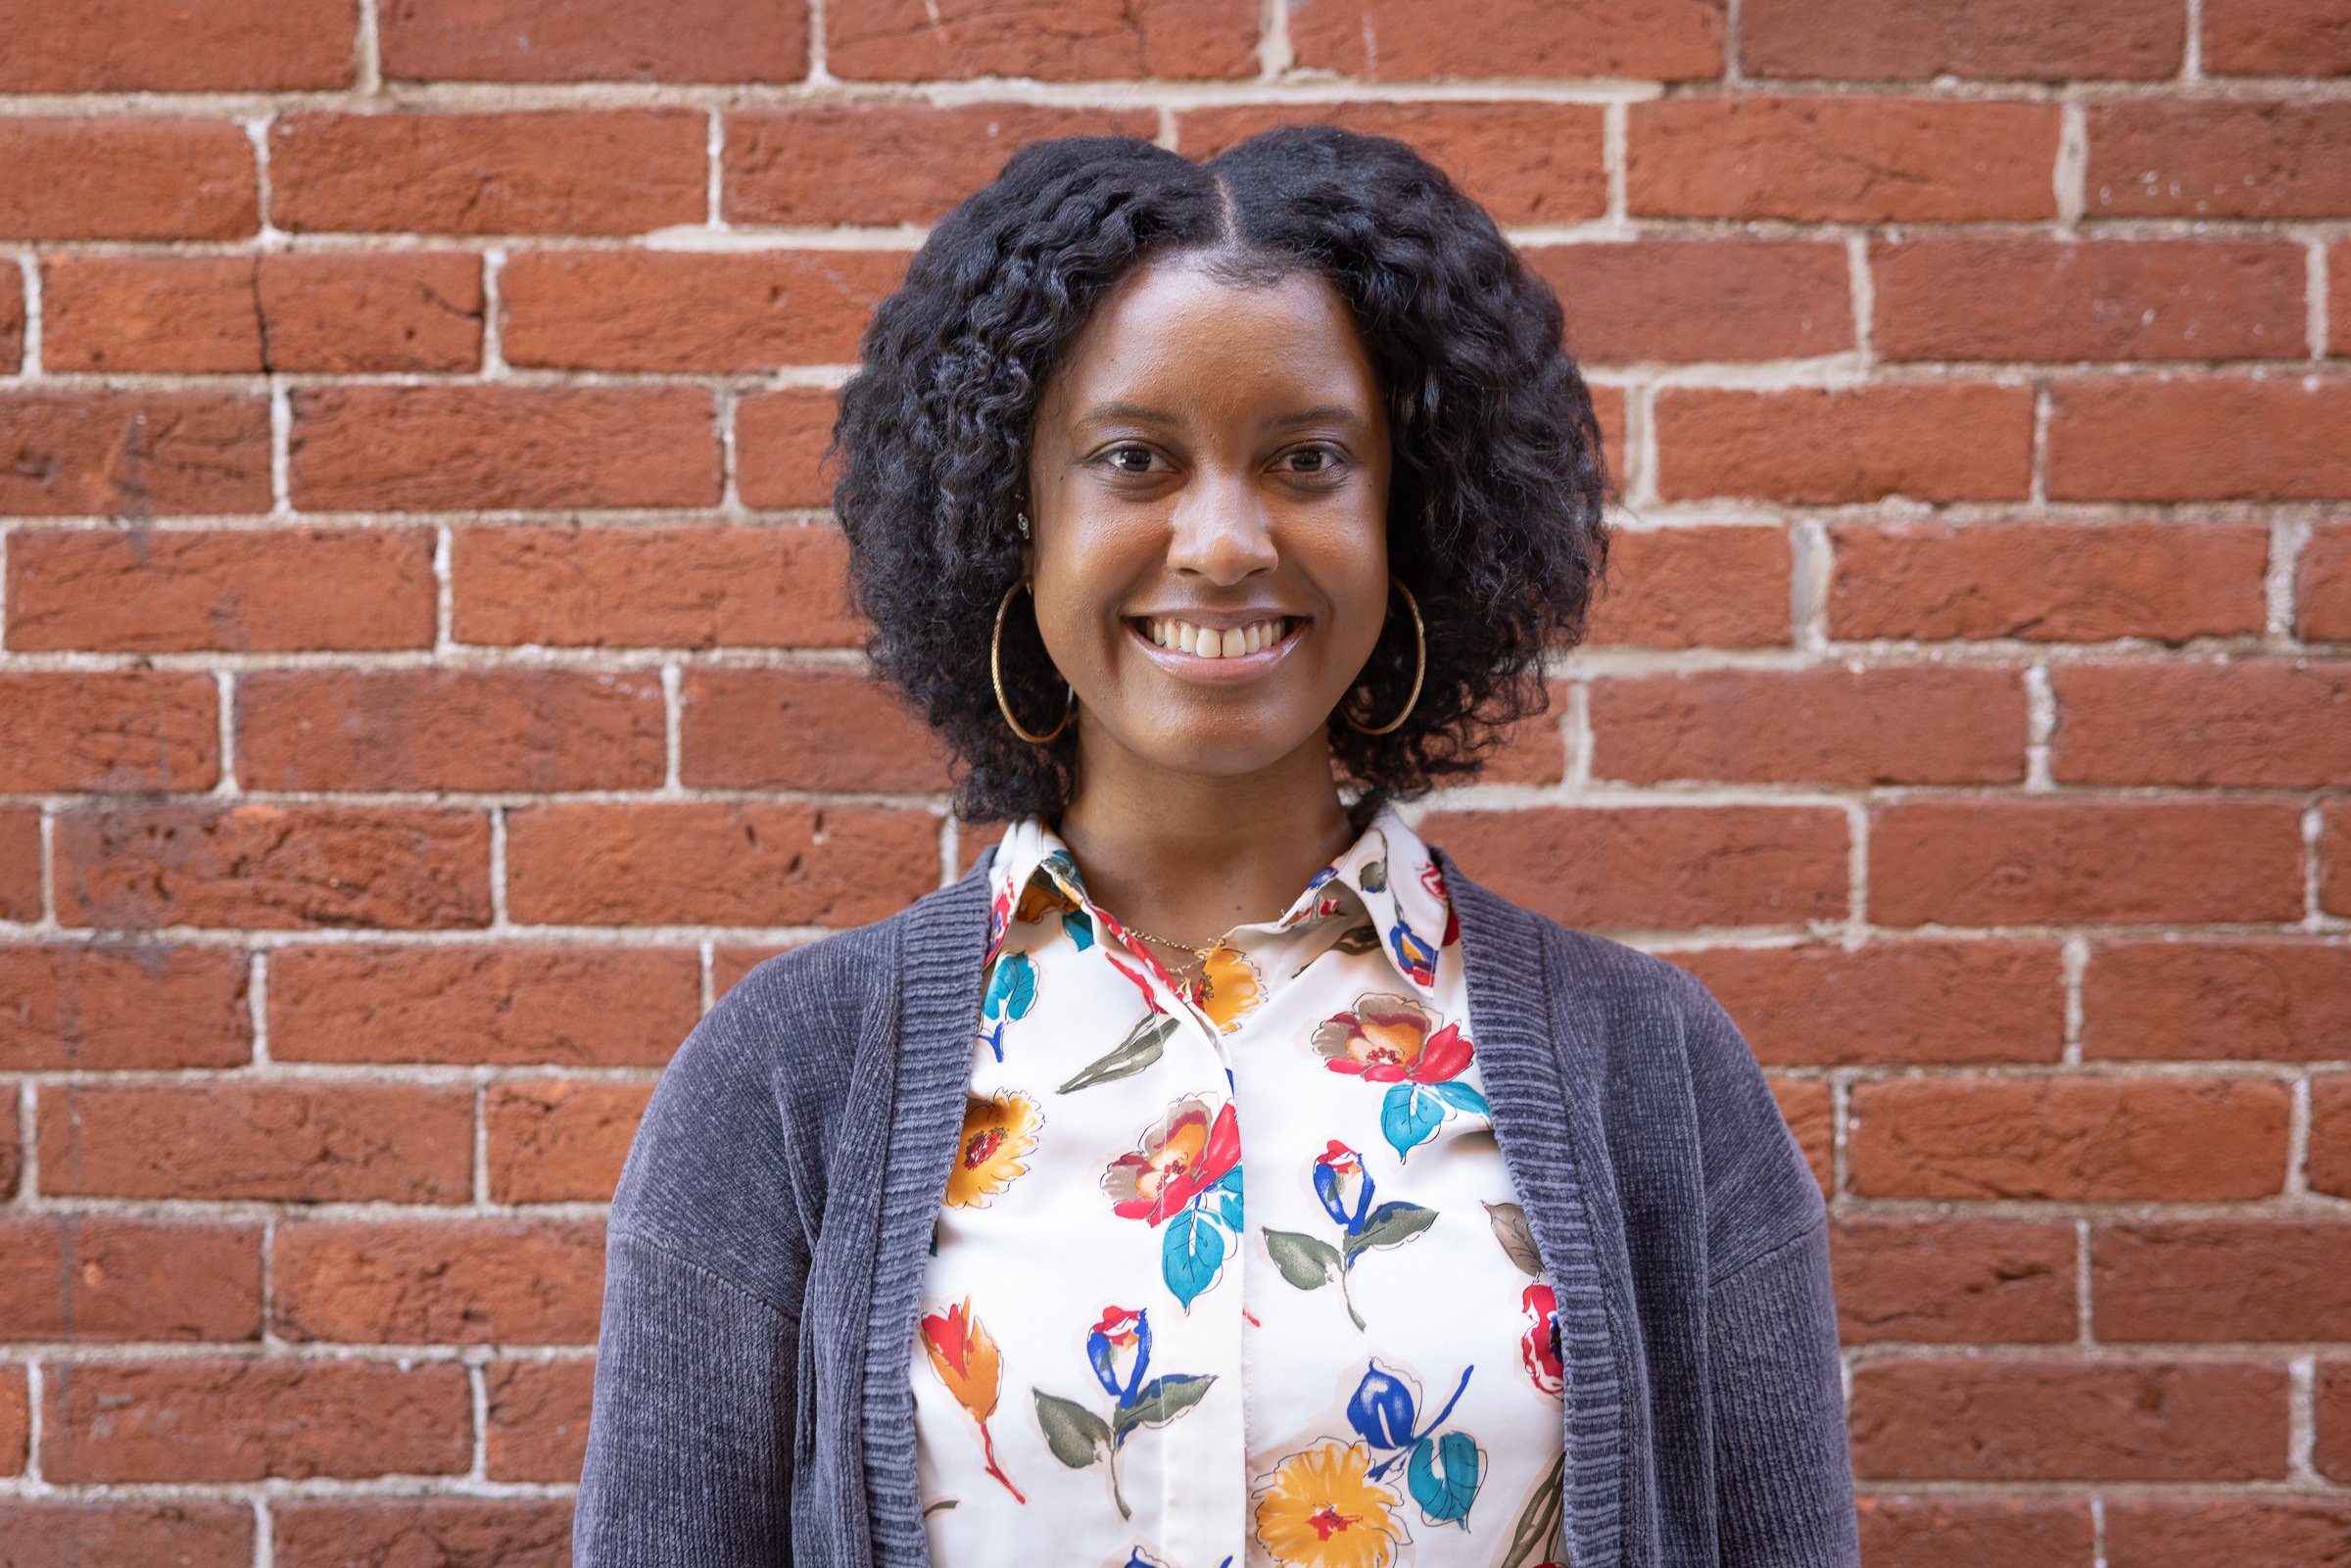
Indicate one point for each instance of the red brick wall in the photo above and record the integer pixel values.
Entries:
(423, 686)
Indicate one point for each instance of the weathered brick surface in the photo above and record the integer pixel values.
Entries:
(20, 864)
(190, 313)
(2332, 1452)
(2278, 38)
(1398, 40)
(1924, 442)
(2221, 1280)
(133, 454)
(2033, 861)
(184, 1535)
(538, 1428)
(2217, 1001)
(437, 1283)
(249, 1420)
(656, 311)
(2084, 1140)
(423, 729)
(887, 162)
(15, 1420)
(2038, 1420)
(127, 179)
(603, 40)
(558, 172)
(1889, 1002)
(2253, 723)
(120, 732)
(780, 444)
(2179, 1533)
(1960, 1281)
(2197, 438)
(1675, 587)
(109, 1007)
(570, 1006)
(1883, 726)
(95, 1278)
(447, 1532)
(2219, 158)
(2324, 583)
(159, 46)
(287, 867)
(2330, 1136)
(1810, 1111)
(141, 590)
(1898, 1531)
(296, 1142)
(2090, 583)
(1701, 300)
(844, 734)
(415, 310)
(678, 587)
(909, 40)
(1897, 40)
(716, 864)
(11, 324)
(555, 1141)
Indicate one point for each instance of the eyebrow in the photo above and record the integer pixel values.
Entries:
(1140, 413)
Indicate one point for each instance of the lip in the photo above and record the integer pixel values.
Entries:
(1218, 671)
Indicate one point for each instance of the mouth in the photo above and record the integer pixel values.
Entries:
(1218, 643)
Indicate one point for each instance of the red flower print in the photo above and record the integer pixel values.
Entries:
(1182, 1156)
(1391, 1039)
(1539, 1349)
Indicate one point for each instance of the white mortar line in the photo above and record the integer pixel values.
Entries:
(2070, 177)
(256, 131)
(2297, 1139)
(1611, 157)
(369, 49)
(2302, 1420)
(497, 870)
(2098, 1532)
(2038, 490)
(820, 74)
(1275, 56)
(1812, 565)
(708, 952)
(2314, 824)
(716, 148)
(29, 269)
(1580, 740)
(225, 689)
(477, 1386)
(2315, 286)
(1863, 288)
(257, 1004)
(494, 349)
(2074, 961)
(1856, 915)
(2280, 590)
(264, 1539)
(2040, 725)
(48, 921)
(730, 488)
(281, 449)
(673, 724)
(29, 1126)
(445, 603)
(2192, 56)
(2084, 1321)
(36, 1391)
(1733, 30)
(481, 1146)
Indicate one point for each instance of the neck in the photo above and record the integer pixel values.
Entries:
(1189, 856)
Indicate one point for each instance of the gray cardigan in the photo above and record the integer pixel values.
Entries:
(768, 1241)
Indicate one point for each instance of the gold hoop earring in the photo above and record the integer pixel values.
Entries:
(1419, 666)
(996, 672)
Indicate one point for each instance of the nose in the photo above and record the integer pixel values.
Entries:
(1223, 531)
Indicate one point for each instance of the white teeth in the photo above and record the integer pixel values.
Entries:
(1207, 643)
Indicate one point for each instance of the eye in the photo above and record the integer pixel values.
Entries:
(1131, 459)
(1311, 460)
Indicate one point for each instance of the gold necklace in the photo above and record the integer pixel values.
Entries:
(1199, 953)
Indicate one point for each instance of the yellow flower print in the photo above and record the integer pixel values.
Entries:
(1228, 989)
(997, 1134)
(1322, 1510)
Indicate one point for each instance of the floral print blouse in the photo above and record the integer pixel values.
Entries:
(1232, 1271)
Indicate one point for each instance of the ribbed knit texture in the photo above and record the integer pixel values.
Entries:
(770, 1236)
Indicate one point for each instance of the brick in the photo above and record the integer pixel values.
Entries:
(2069, 1140)
(2278, 38)
(753, 864)
(1810, 1111)
(2219, 158)
(1909, 40)
(2335, 857)
(1686, 299)
(131, 454)
(550, 172)
(883, 163)
(1523, 163)
(2272, 1532)
(16, 1421)
(475, 447)
(159, 46)
(106, 1007)
(2331, 1453)
(603, 40)
(253, 1420)
(832, 729)
(780, 442)
(537, 1427)
(506, 1005)
(681, 311)
(191, 314)
(1953, 1281)
(1959, 442)
(141, 590)
(973, 837)
(2329, 1165)
(2254, 723)
(336, 313)
(297, 1143)
(127, 179)
(1968, 1531)
(421, 730)
(2012, 297)
(706, 586)
(1397, 40)
(95, 1277)
(1842, 160)
(1891, 1003)
(2323, 590)
(2205, 437)
(555, 1141)
(2033, 1420)
(1657, 866)
(440, 1282)
(184, 1535)
(2088, 583)
(1534, 751)
(12, 1162)
(125, 731)
(19, 866)
(1887, 725)
(1058, 41)
(2053, 862)
(442, 1532)
(1678, 588)
(730, 964)
(280, 868)
(12, 323)
(2219, 1280)
(1607, 408)
(2217, 1001)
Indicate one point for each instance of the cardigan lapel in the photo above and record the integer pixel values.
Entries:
(1552, 1144)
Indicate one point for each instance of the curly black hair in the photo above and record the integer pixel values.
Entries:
(1498, 482)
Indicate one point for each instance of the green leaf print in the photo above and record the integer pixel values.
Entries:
(1143, 1045)
(1306, 1262)
(1162, 1400)
(1390, 1225)
(1076, 1436)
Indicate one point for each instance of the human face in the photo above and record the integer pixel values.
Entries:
(1210, 461)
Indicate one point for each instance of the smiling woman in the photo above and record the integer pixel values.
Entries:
(1207, 511)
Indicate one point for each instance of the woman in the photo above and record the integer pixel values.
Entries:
(1215, 1174)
